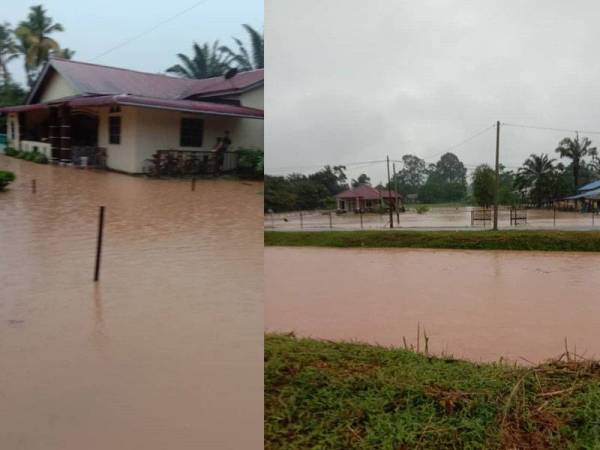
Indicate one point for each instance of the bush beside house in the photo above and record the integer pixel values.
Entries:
(251, 163)
(6, 178)
(36, 157)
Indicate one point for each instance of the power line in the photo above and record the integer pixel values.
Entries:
(149, 30)
(562, 130)
(470, 138)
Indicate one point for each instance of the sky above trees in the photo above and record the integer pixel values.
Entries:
(373, 78)
(94, 26)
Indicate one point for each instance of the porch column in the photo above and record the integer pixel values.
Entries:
(53, 133)
(65, 133)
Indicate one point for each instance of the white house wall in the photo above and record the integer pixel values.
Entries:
(120, 157)
(57, 87)
(158, 129)
(252, 130)
(12, 130)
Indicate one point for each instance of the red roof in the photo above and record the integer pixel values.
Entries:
(87, 78)
(366, 192)
(218, 109)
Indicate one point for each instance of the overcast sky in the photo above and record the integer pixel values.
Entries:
(355, 80)
(94, 26)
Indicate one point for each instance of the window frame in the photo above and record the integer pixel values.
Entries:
(114, 138)
(187, 136)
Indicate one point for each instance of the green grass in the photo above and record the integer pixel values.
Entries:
(584, 241)
(326, 395)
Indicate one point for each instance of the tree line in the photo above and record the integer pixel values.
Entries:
(540, 180)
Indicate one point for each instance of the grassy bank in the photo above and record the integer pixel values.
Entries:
(581, 241)
(355, 396)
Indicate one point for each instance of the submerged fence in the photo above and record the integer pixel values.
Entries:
(436, 218)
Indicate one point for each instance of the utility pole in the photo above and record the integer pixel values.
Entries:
(396, 196)
(390, 193)
(497, 187)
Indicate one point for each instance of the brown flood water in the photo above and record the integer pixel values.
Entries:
(165, 352)
(479, 305)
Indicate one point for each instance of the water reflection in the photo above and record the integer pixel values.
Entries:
(165, 352)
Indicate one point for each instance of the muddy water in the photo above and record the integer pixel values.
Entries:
(479, 305)
(165, 352)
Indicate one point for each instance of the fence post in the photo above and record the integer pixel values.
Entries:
(99, 243)
(330, 221)
(272, 220)
(361, 218)
(301, 221)
(554, 218)
(193, 183)
(33, 186)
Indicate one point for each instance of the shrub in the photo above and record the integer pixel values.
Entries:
(29, 156)
(422, 209)
(21, 154)
(9, 151)
(6, 178)
(251, 162)
(40, 158)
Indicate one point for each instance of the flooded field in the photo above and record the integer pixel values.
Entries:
(165, 351)
(479, 305)
(435, 218)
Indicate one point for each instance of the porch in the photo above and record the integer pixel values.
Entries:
(132, 138)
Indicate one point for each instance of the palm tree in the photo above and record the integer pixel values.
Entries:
(8, 51)
(576, 150)
(537, 175)
(207, 62)
(35, 43)
(248, 60)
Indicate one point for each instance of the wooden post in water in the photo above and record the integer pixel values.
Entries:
(554, 220)
(361, 218)
(330, 221)
(99, 244)
(33, 186)
(193, 183)
(301, 221)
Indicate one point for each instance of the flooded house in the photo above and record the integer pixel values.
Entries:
(586, 199)
(82, 113)
(366, 198)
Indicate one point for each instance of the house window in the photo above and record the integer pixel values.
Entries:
(114, 130)
(115, 109)
(191, 133)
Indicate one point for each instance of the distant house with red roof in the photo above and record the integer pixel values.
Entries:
(366, 198)
(131, 114)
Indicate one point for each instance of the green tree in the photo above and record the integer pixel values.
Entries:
(576, 150)
(538, 176)
(248, 60)
(34, 41)
(206, 62)
(8, 51)
(363, 178)
(333, 179)
(10, 94)
(446, 180)
(484, 185)
(411, 176)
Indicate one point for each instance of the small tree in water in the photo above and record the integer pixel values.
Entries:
(484, 181)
